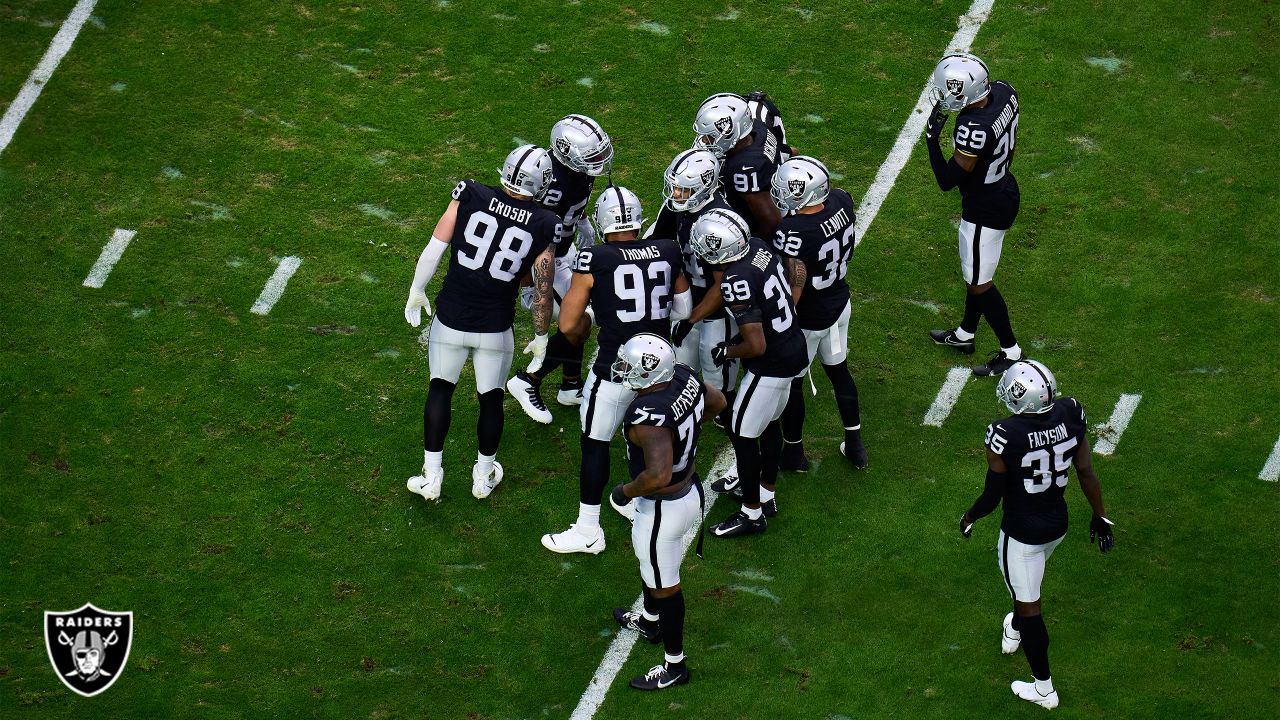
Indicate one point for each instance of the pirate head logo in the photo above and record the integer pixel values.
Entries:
(88, 647)
(723, 124)
(712, 242)
(562, 145)
(707, 176)
(796, 187)
(649, 362)
(955, 87)
(1017, 390)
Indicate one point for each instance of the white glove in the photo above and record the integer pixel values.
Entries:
(538, 348)
(417, 303)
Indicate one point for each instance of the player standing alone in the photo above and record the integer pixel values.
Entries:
(495, 236)
(662, 427)
(1028, 456)
(982, 167)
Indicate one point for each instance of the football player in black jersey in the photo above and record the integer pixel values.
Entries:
(982, 167)
(692, 187)
(495, 236)
(1028, 459)
(580, 152)
(772, 351)
(633, 286)
(749, 151)
(664, 496)
(816, 239)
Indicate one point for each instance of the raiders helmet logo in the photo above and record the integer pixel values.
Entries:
(707, 176)
(563, 146)
(1017, 390)
(796, 187)
(712, 242)
(88, 647)
(955, 87)
(723, 124)
(649, 362)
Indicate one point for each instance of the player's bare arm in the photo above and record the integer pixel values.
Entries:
(797, 276)
(765, 213)
(715, 402)
(1100, 526)
(573, 310)
(658, 460)
(989, 500)
(544, 269)
(752, 342)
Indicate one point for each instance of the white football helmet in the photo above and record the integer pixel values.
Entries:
(691, 180)
(644, 361)
(800, 182)
(959, 80)
(580, 143)
(1027, 387)
(527, 171)
(617, 210)
(720, 236)
(722, 120)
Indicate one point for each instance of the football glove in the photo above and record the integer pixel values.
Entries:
(538, 348)
(937, 120)
(619, 496)
(415, 306)
(719, 353)
(966, 527)
(1100, 528)
(680, 331)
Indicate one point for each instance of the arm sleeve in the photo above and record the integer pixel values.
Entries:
(946, 172)
(681, 306)
(990, 497)
(427, 263)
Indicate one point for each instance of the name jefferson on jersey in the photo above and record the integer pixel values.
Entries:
(755, 291)
(824, 242)
(679, 407)
(1038, 452)
(631, 292)
(494, 243)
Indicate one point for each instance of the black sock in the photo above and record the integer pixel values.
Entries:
(727, 414)
(650, 602)
(793, 414)
(747, 451)
(846, 394)
(997, 314)
(559, 352)
(1017, 621)
(437, 412)
(770, 451)
(1035, 645)
(972, 312)
(671, 619)
(573, 363)
(489, 426)
(594, 474)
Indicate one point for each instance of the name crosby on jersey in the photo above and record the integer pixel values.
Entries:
(835, 223)
(644, 253)
(1040, 438)
(506, 211)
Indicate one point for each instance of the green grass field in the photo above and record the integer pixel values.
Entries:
(237, 481)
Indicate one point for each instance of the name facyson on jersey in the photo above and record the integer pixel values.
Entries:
(88, 647)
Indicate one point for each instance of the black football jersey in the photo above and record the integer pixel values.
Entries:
(824, 242)
(750, 170)
(989, 192)
(677, 226)
(763, 109)
(632, 285)
(678, 406)
(1038, 450)
(495, 241)
(567, 198)
(756, 291)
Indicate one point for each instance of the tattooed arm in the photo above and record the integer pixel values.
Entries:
(544, 270)
(797, 276)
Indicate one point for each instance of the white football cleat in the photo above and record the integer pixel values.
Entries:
(627, 511)
(427, 484)
(1010, 639)
(574, 540)
(483, 484)
(526, 393)
(569, 396)
(1029, 692)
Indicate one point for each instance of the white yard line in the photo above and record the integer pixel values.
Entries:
(36, 81)
(948, 394)
(275, 286)
(111, 253)
(970, 22)
(616, 656)
(1271, 471)
(1110, 433)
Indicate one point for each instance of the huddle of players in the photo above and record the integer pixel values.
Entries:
(701, 290)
